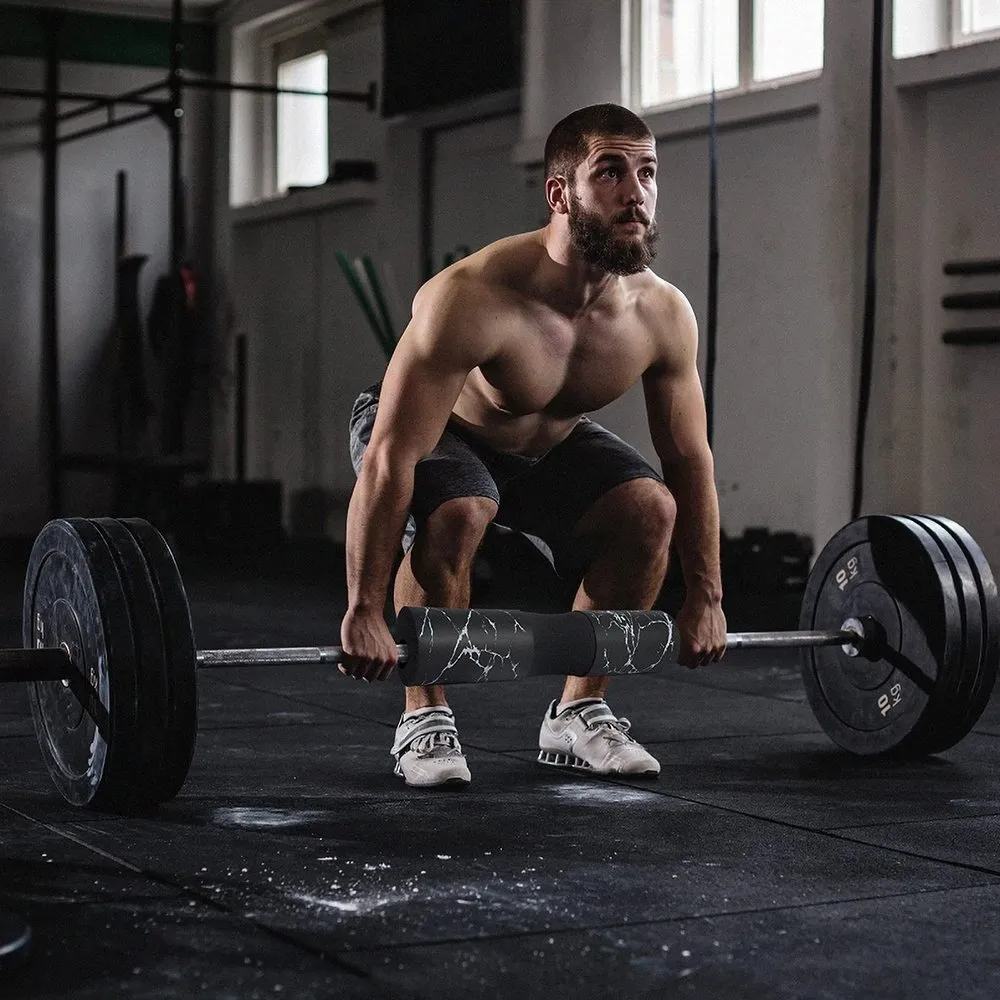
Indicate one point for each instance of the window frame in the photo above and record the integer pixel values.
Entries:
(286, 37)
(959, 37)
(277, 43)
(632, 62)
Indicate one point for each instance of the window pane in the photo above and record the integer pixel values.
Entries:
(787, 37)
(683, 41)
(303, 157)
(918, 27)
(980, 15)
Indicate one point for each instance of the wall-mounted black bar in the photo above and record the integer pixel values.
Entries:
(106, 126)
(972, 267)
(972, 300)
(367, 97)
(972, 338)
(98, 100)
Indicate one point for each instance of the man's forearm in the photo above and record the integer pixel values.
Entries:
(692, 482)
(376, 518)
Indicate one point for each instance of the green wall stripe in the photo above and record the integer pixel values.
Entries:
(105, 38)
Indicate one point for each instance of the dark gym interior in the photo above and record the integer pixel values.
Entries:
(214, 216)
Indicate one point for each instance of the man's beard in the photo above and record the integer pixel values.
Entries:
(598, 246)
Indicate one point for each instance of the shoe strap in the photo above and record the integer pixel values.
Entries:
(599, 715)
(425, 725)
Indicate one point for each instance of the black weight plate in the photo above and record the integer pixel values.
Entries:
(990, 603)
(15, 941)
(945, 728)
(152, 667)
(880, 566)
(178, 634)
(73, 598)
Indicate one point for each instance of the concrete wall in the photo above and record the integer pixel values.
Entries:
(87, 170)
(960, 473)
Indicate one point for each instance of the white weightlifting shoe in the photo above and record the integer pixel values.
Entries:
(427, 750)
(587, 734)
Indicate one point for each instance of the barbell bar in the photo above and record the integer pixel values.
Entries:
(56, 663)
(899, 629)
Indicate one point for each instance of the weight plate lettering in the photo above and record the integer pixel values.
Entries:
(880, 566)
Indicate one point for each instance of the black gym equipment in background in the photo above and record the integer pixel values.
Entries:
(170, 111)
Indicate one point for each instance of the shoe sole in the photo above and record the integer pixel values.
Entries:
(448, 783)
(556, 758)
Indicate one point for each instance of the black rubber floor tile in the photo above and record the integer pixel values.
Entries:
(15, 713)
(508, 716)
(357, 870)
(222, 704)
(770, 673)
(102, 929)
(316, 687)
(907, 947)
(969, 840)
(806, 781)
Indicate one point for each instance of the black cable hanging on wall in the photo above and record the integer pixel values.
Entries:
(874, 190)
(712, 324)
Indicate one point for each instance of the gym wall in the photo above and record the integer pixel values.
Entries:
(86, 261)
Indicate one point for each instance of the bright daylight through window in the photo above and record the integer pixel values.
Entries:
(686, 46)
(303, 157)
(922, 26)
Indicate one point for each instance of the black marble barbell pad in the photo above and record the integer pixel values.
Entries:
(466, 646)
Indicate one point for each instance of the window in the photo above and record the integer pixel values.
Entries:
(922, 26)
(685, 47)
(302, 146)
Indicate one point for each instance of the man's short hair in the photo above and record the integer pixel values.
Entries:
(566, 146)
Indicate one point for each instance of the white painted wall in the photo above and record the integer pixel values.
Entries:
(87, 171)
(961, 385)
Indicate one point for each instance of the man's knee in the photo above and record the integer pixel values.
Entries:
(651, 509)
(640, 513)
(451, 534)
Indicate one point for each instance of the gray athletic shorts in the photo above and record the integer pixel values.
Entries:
(543, 497)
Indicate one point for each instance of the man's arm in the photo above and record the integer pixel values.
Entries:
(435, 354)
(675, 406)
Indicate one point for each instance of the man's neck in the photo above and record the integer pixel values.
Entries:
(565, 279)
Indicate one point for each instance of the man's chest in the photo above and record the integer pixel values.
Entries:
(566, 367)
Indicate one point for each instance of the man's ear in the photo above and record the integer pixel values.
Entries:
(557, 195)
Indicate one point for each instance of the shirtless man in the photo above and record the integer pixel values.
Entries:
(480, 416)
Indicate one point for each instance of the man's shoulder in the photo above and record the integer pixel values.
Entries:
(659, 301)
(482, 279)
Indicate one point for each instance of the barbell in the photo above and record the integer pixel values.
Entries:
(899, 628)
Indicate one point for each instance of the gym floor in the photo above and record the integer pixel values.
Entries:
(762, 863)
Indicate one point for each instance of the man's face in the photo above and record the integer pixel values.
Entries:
(612, 199)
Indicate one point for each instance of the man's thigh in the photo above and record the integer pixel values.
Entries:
(452, 470)
(549, 500)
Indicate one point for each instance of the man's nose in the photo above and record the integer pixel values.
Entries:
(633, 193)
